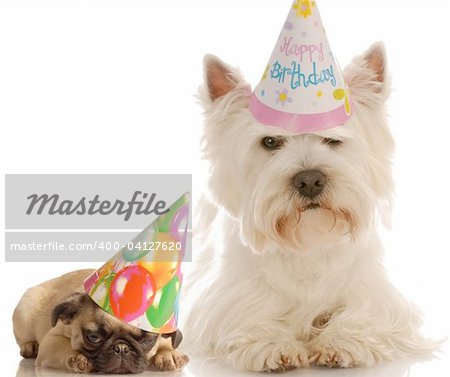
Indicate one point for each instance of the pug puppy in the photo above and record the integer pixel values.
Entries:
(57, 323)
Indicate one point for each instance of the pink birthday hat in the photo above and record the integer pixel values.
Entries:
(141, 284)
(302, 89)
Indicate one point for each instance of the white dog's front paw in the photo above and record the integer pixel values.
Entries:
(79, 363)
(341, 354)
(263, 356)
(332, 358)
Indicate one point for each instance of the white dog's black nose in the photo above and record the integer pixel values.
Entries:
(121, 348)
(310, 183)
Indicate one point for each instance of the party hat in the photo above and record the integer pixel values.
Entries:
(302, 89)
(141, 284)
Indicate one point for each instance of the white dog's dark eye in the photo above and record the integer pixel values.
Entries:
(93, 338)
(331, 141)
(272, 143)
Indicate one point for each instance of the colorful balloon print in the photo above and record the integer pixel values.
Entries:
(131, 292)
(106, 269)
(101, 291)
(91, 281)
(141, 285)
(179, 219)
(162, 264)
(138, 248)
(163, 307)
(163, 223)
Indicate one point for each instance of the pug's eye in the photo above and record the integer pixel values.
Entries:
(272, 143)
(330, 141)
(94, 339)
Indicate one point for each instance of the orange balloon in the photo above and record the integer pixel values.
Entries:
(164, 263)
(131, 292)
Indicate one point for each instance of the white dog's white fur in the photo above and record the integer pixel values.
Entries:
(277, 285)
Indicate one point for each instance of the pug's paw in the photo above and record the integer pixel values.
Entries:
(166, 360)
(29, 350)
(79, 363)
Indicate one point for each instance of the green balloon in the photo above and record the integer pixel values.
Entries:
(160, 312)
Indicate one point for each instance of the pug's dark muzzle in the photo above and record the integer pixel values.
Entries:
(118, 357)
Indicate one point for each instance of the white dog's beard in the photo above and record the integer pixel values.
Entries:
(319, 214)
(307, 219)
(290, 221)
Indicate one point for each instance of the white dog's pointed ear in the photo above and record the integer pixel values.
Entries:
(367, 75)
(220, 78)
(376, 61)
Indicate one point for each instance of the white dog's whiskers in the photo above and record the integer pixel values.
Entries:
(301, 206)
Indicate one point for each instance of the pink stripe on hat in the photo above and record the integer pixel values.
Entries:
(298, 123)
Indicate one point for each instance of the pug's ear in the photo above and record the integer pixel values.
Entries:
(148, 339)
(67, 310)
(175, 337)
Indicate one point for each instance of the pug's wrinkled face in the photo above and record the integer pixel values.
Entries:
(110, 344)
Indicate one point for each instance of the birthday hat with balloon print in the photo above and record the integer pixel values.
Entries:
(141, 284)
(302, 89)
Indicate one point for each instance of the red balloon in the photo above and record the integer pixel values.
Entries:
(132, 292)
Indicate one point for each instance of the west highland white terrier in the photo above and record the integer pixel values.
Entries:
(289, 265)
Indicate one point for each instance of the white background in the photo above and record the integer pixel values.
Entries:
(107, 87)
